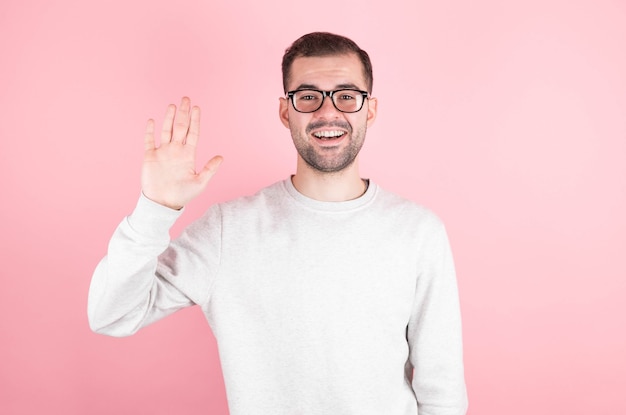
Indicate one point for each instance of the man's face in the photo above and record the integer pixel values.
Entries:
(328, 140)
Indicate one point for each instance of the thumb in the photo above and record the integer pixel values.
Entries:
(209, 169)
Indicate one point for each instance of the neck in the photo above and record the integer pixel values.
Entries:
(329, 187)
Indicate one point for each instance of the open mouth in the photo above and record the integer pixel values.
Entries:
(329, 135)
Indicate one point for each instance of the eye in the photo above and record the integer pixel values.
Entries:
(307, 95)
(347, 95)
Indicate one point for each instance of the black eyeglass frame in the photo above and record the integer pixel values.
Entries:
(290, 95)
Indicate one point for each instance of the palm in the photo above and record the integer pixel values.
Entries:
(168, 175)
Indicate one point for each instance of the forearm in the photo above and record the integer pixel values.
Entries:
(438, 379)
(124, 286)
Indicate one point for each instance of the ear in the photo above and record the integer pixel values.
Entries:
(283, 111)
(372, 108)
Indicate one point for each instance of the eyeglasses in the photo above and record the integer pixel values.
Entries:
(310, 100)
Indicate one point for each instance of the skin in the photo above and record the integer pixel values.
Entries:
(168, 174)
(326, 170)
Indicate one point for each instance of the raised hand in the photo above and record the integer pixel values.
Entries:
(169, 175)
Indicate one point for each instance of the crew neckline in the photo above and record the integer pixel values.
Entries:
(344, 206)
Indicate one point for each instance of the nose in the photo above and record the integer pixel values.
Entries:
(327, 110)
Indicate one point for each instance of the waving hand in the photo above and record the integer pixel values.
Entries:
(169, 175)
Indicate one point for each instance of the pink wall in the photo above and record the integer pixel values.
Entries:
(508, 121)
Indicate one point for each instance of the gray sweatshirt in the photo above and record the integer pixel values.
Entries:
(317, 307)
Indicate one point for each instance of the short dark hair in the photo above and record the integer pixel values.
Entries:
(325, 44)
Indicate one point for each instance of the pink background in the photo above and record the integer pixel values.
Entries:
(508, 119)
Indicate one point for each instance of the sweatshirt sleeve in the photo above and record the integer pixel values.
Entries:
(145, 277)
(434, 331)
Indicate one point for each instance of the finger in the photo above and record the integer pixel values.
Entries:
(181, 121)
(194, 127)
(210, 169)
(168, 121)
(149, 136)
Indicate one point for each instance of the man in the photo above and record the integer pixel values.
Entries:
(326, 294)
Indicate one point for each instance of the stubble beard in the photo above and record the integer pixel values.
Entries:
(322, 159)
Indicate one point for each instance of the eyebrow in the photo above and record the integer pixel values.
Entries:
(340, 86)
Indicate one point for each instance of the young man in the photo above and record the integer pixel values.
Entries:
(326, 294)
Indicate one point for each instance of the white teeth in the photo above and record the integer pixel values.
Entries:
(328, 134)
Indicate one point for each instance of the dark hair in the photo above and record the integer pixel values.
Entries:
(325, 44)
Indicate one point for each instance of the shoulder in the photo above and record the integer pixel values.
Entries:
(410, 225)
(406, 209)
(267, 198)
(268, 193)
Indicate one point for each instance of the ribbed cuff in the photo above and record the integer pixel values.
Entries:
(152, 219)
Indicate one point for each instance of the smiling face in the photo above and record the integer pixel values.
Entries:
(327, 140)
